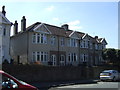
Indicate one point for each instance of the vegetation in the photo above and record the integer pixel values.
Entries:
(111, 56)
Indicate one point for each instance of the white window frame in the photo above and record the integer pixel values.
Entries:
(91, 45)
(84, 57)
(39, 38)
(45, 56)
(62, 60)
(53, 40)
(38, 55)
(72, 42)
(34, 38)
(96, 46)
(53, 59)
(69, 57)
(62, 41)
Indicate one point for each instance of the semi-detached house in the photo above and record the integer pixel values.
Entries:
(5, 27)
(52, 45)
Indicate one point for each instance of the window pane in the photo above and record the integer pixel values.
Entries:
(42, 38)
(38, 38)
(42, 57)
(38, 56)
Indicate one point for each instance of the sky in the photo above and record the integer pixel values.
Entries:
(95, 18)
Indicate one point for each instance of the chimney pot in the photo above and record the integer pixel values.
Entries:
(65, 26)
(23, 24)
(96, 37)
(3, 10)
(15, 28)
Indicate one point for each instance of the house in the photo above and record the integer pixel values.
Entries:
(5, 27)
(52, 45)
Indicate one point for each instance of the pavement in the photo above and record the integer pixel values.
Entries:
(47, 85)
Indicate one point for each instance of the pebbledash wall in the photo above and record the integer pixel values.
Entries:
(37, 73)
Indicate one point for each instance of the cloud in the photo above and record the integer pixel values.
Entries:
(55, 19)
(76, 22)
(50, 8)
(74, 25)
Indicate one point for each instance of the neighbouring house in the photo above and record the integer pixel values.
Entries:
(52, 45)
(5, 27)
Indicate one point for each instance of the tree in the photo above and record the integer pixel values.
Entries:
(110, 55)
(118, 57)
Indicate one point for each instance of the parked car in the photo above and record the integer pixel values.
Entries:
(7, 81)
(112, 75)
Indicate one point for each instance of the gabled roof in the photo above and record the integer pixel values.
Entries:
(40, 26)
(55, 30)
(4, 19)
(60, 31)
(100, 40)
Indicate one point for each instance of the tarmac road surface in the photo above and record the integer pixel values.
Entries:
(95, 86)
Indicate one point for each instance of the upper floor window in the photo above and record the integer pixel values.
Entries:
(91, 45)
(39, 38)
(4, 32)
(72, 42)
(103, 46)
(53, 40)
(85, 44)
(62, 41)
(96, 46)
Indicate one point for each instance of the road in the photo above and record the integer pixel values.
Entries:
(97, 86)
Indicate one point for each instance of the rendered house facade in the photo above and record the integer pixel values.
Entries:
(53, 45)
(5, 27)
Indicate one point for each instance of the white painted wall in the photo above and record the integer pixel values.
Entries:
(4, 39)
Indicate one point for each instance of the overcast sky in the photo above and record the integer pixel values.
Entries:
(95, 18)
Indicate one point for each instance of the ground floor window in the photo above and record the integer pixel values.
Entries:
(62, 60)
(84, 57)
(72, 57)
(40, 56)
